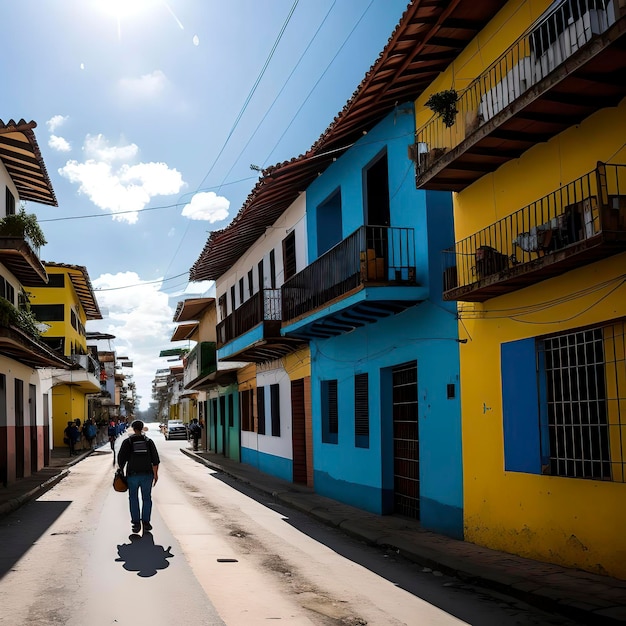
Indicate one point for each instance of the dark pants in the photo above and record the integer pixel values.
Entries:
(195, 442)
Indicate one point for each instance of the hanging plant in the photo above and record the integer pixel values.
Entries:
(443, 104)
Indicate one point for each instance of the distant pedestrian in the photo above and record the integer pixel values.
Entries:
(90, 430)
(71, 437)
(112, 434)
(141, 459)
(195, 430)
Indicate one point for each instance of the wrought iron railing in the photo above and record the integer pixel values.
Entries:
(371, 254)
(566, 28)
(584, 208)
(263, 306)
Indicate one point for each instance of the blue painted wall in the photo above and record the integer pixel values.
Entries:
(426, 333)
(268, 463)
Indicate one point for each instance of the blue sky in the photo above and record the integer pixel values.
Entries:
(149, 114)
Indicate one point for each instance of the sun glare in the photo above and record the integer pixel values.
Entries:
(122, 9)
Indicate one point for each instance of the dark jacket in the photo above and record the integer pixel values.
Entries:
(140, 453)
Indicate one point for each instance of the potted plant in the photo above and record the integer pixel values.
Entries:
(23, 224)
(21, 318)
(443, 104)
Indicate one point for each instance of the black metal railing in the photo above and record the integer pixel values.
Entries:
(371, 254)
(565, 29)
(577, 212)
(263, 306)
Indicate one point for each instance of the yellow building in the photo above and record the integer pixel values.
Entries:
(65, 305)
(533, 144)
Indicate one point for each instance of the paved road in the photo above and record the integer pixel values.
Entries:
(217, 555)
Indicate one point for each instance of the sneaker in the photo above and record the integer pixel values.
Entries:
(147, 526)
(136, 527)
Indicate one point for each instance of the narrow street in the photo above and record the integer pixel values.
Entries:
(219, 554)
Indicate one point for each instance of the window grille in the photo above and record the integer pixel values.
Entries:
(583, 410)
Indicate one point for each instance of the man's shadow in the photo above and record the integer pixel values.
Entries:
(141, 555)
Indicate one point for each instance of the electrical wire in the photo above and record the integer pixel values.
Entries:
(318, 81)
(295, 67)
(147, 282)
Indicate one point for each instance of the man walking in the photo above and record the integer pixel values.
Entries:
(196, 431)
(142, 472)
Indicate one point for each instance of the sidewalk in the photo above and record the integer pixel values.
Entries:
(31, 487)
(582, 596)
(588, 598)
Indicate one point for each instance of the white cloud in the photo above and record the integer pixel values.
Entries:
(113, 184)
(59, 144)
(55, 121)
(207, 206)
(140, 318)
(146, 86)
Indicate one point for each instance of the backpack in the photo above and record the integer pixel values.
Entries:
(140, 458)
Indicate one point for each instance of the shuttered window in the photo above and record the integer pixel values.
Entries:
(275, 406)
(361, 411)
(289, 255)
(330, 411)
(260, 401)
(245, 407)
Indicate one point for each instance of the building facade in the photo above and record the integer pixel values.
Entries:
(63, 306)
(536, 156)
(25, 402)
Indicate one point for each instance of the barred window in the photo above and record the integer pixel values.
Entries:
(583, 403)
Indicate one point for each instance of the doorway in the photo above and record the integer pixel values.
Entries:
(298, 432)
(406, 497)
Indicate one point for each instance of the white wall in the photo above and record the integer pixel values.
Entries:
(292, 219)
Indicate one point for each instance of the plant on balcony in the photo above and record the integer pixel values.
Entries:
(443, 104)
(23, 224)
(21, 318)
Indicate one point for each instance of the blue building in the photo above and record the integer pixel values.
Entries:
(383, 344)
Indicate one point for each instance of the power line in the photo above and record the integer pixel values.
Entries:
(147, 282)
(253, 89)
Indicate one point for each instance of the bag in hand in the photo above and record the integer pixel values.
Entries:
(119, 481)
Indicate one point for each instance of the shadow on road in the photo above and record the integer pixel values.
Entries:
(17, 537)
(143, 556)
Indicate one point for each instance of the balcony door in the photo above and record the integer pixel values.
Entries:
(377, 217)
(377, 211)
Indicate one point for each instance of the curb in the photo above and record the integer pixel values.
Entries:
(16, 503)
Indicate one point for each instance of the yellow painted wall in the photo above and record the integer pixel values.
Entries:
(68, 404)
(574, 522)
(68, 297)
(298, 364)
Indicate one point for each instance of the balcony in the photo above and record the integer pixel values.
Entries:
(571, 64)
(578, 224)
(85, 374)
(251, 333)
(20, 255)
(362, 279)
(200, 363)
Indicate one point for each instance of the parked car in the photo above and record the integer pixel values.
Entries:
(176, 429)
